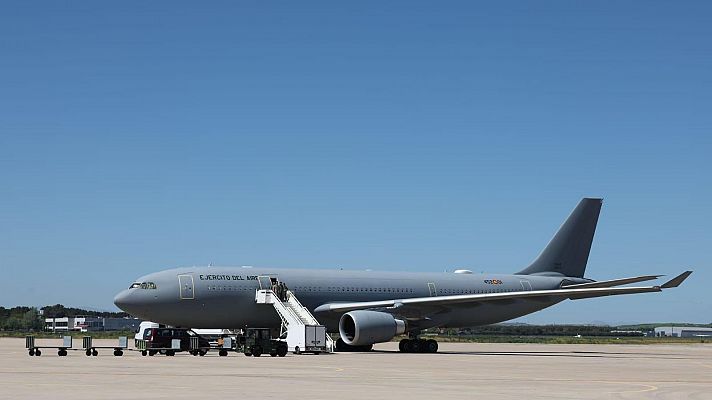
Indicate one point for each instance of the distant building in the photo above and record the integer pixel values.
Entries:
(682, 331)
(59, 324)
(87, 324)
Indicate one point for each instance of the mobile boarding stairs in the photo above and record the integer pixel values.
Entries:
(304, 333)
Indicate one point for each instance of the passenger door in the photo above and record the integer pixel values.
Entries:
(185, 282)
(265, 282)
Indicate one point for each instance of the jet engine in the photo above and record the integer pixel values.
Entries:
(358, 328)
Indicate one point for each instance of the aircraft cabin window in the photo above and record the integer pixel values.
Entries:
(134, 285)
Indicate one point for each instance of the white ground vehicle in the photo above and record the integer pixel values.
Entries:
(307, 339)
(142, 328)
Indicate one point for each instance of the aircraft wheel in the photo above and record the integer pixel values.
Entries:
(273, 354)
(62, 352)
(94, 353)
(38, 352)
(431, 346)
(402, 344)
(202, 353)
(144, 353)
(222, 353)
(297, 350)
(31, 352)
(152, 353)
(88, 352)
(248, 354)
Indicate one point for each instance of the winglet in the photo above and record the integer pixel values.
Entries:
(676, 281)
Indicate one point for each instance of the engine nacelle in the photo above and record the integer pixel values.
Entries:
(358, 328)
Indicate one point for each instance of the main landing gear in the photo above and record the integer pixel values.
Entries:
(416, 345)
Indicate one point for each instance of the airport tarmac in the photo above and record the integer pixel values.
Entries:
(460, 370)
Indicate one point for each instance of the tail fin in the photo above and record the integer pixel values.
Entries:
(567, 253)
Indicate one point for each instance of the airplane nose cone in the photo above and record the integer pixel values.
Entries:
(123, 300)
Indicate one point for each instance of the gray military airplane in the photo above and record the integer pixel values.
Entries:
(367, 307)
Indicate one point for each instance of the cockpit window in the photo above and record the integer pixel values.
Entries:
(143, 285)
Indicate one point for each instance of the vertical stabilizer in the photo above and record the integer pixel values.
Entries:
(567, 252)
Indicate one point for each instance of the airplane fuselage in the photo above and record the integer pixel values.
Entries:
(224, 297)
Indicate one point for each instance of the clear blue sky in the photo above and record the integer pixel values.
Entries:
(139, 136)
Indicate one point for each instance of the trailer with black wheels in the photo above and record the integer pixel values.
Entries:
(200, 347)
(91, 350)
(35, 351)
(87, 346)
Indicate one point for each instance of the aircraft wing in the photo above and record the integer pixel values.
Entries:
(564, 293)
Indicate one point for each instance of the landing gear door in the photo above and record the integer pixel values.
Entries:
(265, 282)
(185, 282)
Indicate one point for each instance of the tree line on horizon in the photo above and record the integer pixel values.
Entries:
(24, 318)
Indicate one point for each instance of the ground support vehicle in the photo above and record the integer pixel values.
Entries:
(259, 341)
(307, 339)
(169, 341)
